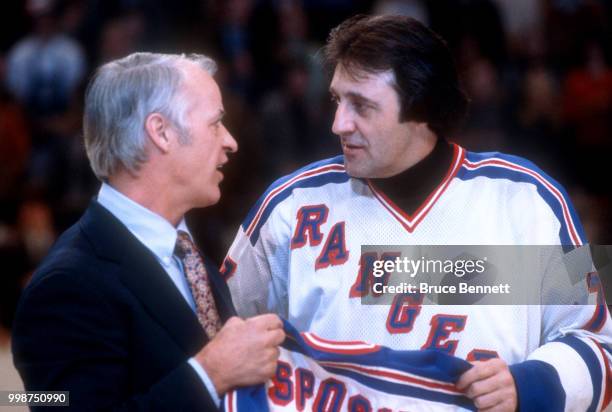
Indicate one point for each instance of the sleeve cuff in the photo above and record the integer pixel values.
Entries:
(538, 387)
(206, 380)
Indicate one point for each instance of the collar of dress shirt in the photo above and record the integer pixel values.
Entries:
(155, 232)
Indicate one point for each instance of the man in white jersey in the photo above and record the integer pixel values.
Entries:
(399, 182)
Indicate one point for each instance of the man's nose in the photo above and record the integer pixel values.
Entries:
(229, 143)
(343, 121)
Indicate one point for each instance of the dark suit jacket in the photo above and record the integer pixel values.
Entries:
(103, 320)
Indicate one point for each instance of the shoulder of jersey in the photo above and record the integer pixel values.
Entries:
(495, 165)
(311, 176)
(492, 165)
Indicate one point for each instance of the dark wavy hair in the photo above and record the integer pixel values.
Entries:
(426, 79)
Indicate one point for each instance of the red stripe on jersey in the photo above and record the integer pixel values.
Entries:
(600, 314)
(329, 346)
(230, 401)
(607, 382)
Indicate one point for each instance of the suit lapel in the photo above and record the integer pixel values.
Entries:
(143, 276)
(220, 291)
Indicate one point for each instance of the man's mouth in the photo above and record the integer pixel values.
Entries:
(351, 146)
(220, 165)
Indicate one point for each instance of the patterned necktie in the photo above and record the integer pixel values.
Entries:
(193, 265)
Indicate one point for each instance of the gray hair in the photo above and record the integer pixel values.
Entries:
(119, 98)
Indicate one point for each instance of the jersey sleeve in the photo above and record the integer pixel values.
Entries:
(574, 357)
(577, 333)
(256, 266)
(571, 365)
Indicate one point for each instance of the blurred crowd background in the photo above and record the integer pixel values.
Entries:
(538, 73)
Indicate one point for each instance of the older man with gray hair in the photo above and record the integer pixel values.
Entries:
(125, 313)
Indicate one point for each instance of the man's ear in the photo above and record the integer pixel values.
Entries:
(159, 131)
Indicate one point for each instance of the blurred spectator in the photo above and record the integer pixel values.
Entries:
(72, 184)
(483, 129)
(541, 100)
(263, 38)
(538, 124)
(522, 22)
(14, 274)
(325, 14)
(477, 20)
(296, 130)
(14, 24)
(121, 36)
(236, 45)
(594, 214)
(587, 102)
(293, 28)
(36, 230)
(412, 8)
(13, 278)
(570, 24)
(587, 112)
(14, 152)
(45, 67)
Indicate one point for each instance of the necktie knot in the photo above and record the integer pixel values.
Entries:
(184, 246)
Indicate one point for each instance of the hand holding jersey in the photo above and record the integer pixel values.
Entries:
(244, 352)
(490, 385)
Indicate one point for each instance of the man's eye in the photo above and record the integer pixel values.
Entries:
(334, 100)
(360, 108)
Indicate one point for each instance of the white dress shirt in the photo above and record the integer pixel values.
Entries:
(159, 236)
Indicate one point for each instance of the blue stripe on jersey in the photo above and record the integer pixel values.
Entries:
(312, 181)
(538, 386)
(497, 172)
(592, 363)
(252, 398)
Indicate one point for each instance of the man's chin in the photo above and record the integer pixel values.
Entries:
(355, 172)
(210, 199)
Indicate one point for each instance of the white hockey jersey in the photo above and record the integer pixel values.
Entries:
(297, 254)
